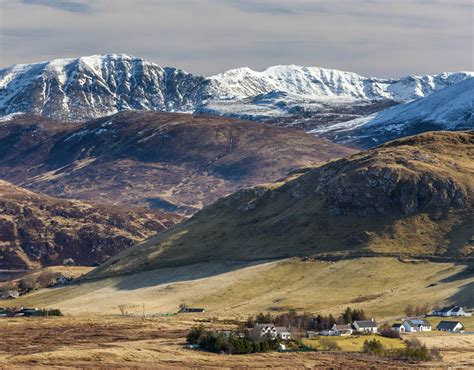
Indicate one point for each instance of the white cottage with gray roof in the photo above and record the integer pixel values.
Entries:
(365, 326)
(416, 325)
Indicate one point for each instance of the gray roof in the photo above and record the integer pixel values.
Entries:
(366, 324)
(396, 325)
(342, 327)
(449, 308)
(418, 322)
(447, 325)
(259, 326)
(282, 329)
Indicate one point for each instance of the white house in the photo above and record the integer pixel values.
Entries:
(450, 311)
(283, 333)
(10, 294)
(398, 328)
(454, 326)
(415, 325)
(260, 330)
(62, 280)
(341, 330)
(365, 326)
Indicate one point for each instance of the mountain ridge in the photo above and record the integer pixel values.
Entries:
(100, 85)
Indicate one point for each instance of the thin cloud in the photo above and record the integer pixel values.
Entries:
(64, 5)
(379, 38)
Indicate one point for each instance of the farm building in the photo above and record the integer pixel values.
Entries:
(341, 330)
(398, 328)
(450, 311)
(454, 326)
(283, 333)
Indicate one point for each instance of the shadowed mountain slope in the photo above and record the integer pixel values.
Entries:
(175, 162)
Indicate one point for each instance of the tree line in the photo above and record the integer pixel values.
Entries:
(307, 321)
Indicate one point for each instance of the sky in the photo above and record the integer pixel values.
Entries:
(382, 38)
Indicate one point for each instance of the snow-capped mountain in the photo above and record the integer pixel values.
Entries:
(314, 83)
(96, 86)
(450, 109)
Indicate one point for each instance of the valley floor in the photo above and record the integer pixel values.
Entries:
(94, 333)
(125, 342)
(383, 287)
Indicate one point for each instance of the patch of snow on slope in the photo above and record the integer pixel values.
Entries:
(451, 108)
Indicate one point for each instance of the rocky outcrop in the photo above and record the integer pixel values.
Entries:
(37, 231)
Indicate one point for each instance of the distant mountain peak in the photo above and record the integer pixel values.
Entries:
(98, 85)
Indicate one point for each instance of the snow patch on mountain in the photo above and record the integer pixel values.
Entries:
(451, 108)
(100, 85)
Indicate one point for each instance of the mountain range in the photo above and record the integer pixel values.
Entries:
(106, 130)
(305, 97)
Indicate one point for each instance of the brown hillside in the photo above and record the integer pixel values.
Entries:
(37, 230)
(411, 197)
(175, 162)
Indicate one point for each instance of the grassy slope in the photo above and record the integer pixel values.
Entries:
(382, 286)
(412, 197)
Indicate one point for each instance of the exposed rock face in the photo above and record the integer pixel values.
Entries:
(382, 189)
(97, 86)
(168, 161)
(37, 231)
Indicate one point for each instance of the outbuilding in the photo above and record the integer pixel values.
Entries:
(453, 326)
(399, 328)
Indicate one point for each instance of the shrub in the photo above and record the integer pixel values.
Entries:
(328, 345)
(415, 351)
(218, 342)
(27, 284)
(387, 332)
(52, 312)
(374, 347)
(194, 335)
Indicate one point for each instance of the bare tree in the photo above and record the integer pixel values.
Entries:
(123, 309)
(46, 278)
(410, 310)
(6, 287)
(27, 284)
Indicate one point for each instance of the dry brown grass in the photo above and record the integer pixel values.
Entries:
(120, 342)
(237, 291)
